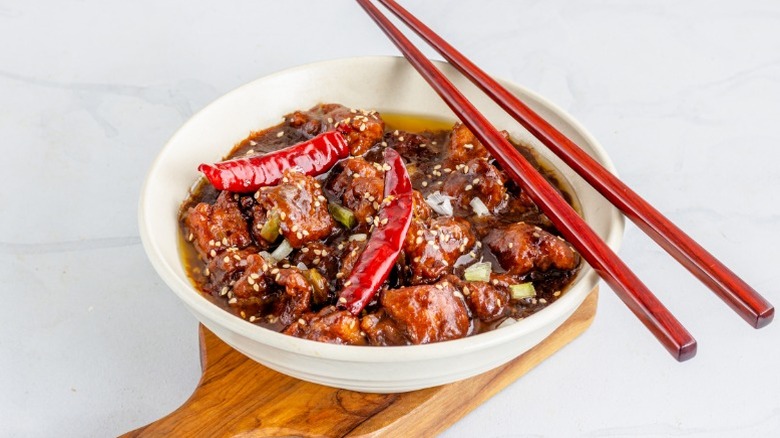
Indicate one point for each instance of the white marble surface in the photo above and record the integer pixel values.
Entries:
(685, 96)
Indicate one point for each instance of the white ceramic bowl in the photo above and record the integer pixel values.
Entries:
(384, 84)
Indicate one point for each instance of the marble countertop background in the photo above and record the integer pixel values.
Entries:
(685, 97)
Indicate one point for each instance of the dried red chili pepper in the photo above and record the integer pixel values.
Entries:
(244, 175)
(374, 265)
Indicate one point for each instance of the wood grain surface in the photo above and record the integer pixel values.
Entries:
(239, 397)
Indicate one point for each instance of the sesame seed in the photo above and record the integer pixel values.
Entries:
(425, 184)
(252, 318)
(418, 240)
(342, 300)
(282, 215)
(542, 300)
(466, 291)
(280, 134)
(347, 283)
(254, 275)
(557, 293)
(317, 252)
(226, 259)
(250, 280)
(495, 282)
(383, 221)
(385, 167)
(468, 146)
(299, 235)
(301, 321)
(316, 261)
(475, 181)
(232, 301)
(294, 228)
(498, 302)
(304, 250)
(306, 232)
(469, 187)
(224, 291)
(510, 245)
(274, 271)
(256, 287)
(190, 237)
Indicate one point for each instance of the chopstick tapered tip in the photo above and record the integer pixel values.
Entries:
(764, 318)
(687, 351)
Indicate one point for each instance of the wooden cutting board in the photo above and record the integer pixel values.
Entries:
(239, 397)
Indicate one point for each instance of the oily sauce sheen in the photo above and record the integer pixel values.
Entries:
(436, 162)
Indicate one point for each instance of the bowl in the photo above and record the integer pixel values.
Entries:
(386, 84)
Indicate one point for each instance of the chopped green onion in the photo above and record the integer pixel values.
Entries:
(478, 272)
(342, 215)
(282, 251)
(522, 290)
(479, 207)
(318, 284)
(270, 230)
(358, 237)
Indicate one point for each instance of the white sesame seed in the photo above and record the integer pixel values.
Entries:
(342, 300)
(280, 134)
(226, 259)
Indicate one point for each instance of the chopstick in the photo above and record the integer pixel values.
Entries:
(650, 311)
(742, 298)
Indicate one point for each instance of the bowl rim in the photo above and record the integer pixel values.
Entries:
(366, 354)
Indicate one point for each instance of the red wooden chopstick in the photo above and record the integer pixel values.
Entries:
(748, 303)
(625, 283)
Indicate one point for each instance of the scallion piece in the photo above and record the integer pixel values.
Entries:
(478, 272)
(282, 251)
(270, 230)
(522, 290)
(342, 215)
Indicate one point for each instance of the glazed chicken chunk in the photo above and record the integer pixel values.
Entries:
(298, 205)
(521, 248)
(428, 313)
(214, 228)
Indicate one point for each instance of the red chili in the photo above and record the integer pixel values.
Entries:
(244, 175)
(377, 260)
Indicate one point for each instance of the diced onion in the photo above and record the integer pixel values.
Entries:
(282, 251)
(358, 237)
(479, 207)
(522, 290)
(478, 272)
(267, 256)
(439, 203)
